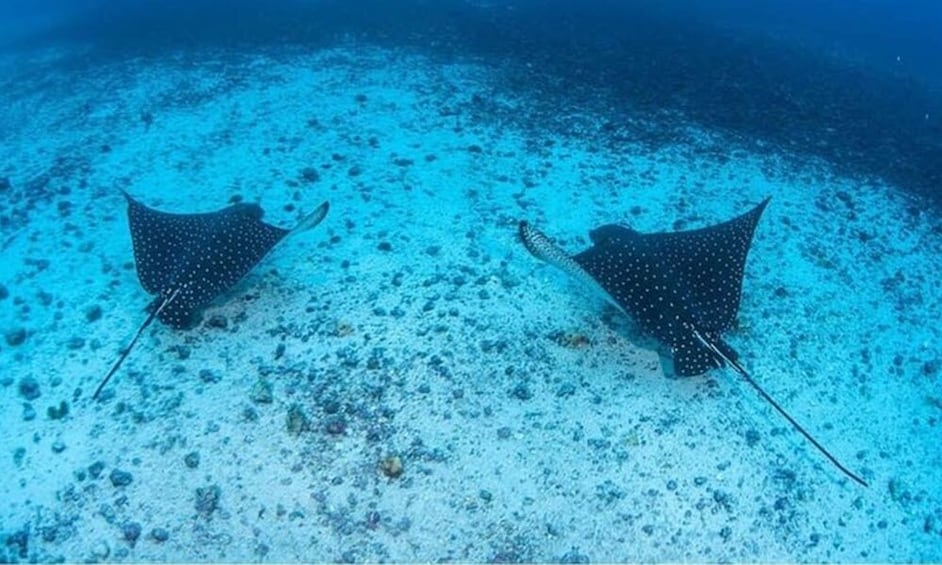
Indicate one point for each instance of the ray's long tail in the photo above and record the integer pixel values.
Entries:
(117, 364)
(739, 369)
(745, 374)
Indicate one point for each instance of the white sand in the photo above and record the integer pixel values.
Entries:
(606, 460)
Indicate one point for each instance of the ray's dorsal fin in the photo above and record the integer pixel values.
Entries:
(684, 288)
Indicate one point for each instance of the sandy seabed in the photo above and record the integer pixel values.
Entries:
(532, 422)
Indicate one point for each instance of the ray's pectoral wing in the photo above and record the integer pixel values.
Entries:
(162, 243)
(631, 268)
(221, 248)
(234, 242)
(710, 263)
(238, 246)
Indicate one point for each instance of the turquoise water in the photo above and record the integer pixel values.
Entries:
(405, 381)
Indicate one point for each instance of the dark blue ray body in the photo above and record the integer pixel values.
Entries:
(187, 260)
(201, 255)
(677, 283)
(683, 288)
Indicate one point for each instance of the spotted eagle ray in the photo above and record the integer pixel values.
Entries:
(683, 288)
(187, 260)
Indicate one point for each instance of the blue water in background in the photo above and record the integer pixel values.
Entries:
(858, 83)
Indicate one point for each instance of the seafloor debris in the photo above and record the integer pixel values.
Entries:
(391, 466)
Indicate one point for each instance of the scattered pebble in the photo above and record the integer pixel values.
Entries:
(207, 500)
(95, 469)
(58, 446)
(209, 376)
(192, 459)
(131, 532)
(217, 321)
(752, 437)
(309, 175)
(335, 425)
(566, 390)
(522, 392)
(64, 207)
(100, 551)
(331, 406)
(19, 541)
(928, 525)
(898, 491)
(297, 421)
(58, 412)
(573, 556)
(723, 499)
(262, 392)
(391, 467)
(29, 413)
(16, 337)
(93, 313)
(29, 388)
(120, 478)
(159, 535)
(4, 293)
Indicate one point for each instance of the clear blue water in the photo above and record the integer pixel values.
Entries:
(532, 421)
